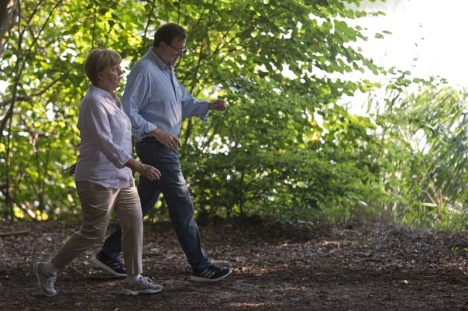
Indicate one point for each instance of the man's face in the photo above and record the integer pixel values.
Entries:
(173, 51)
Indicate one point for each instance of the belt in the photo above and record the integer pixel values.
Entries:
(149, 139)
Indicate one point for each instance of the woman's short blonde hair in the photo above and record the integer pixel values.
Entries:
(97, 60)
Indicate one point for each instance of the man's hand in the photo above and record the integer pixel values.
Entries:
(218, 104)
(170, 141)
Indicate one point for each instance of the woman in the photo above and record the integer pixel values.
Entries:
(104, 178)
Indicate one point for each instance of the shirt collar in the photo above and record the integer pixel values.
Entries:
(101, 92)
(161, 64)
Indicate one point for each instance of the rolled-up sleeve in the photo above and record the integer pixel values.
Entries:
(192, 106)
(99, 128)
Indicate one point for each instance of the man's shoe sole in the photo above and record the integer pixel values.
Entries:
(205, 280)
(101, 265)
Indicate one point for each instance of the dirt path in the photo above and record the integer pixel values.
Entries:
(365, 267)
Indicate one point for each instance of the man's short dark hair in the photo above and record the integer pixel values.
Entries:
(167, 32)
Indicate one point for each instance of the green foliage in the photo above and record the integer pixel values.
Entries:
(42, 66)
(283, 148)
(423, 152)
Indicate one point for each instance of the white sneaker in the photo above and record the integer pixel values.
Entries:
(143, 286)
(45, 281)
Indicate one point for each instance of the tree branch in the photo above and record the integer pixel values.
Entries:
(27, 98)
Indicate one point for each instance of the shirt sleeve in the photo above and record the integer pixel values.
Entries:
(133, 101)
(192, 106)
(97, 122)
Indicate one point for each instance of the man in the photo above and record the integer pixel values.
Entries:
(156, 102)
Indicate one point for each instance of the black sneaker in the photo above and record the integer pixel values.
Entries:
(210, 274)
(110, 265)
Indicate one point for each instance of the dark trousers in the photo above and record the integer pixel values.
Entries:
(174, 188)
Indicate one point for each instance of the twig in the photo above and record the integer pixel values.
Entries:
(4, 234)
(78, 271)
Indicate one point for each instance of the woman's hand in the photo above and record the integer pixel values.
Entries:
(149, 171)
(146, 170)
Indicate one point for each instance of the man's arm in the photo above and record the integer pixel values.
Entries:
(194, 107)
(134, 99)
(173, 142)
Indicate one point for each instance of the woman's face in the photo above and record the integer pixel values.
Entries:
(109, 78)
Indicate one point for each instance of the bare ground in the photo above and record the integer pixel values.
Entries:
(276, 267)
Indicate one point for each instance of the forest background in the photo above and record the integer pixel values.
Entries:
(285, 149)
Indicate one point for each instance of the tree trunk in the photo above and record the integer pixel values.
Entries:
(9, 11)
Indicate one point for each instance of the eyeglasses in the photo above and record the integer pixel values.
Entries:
(182, 50)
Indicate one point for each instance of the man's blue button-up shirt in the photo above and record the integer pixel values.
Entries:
(154, 98)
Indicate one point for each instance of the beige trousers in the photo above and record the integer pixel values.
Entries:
(97, 203)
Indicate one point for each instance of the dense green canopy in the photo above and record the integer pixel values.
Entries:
(283, 148)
